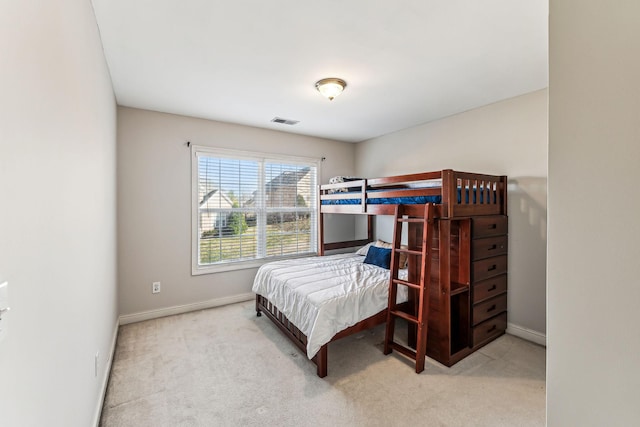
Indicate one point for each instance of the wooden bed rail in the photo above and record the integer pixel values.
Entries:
(471, 194)
(405, 179)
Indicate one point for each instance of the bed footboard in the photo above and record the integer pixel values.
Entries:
(300, 339)
(292, 332)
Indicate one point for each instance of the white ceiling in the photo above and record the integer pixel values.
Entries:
(247, 61)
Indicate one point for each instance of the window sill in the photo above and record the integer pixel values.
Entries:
(242, 265)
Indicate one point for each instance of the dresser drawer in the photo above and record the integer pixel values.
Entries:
(489, 308)
(488, 268)
(489, 329)
(486, 226)
(488, 247)
(489, 288)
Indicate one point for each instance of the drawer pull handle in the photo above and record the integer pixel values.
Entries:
(493, 267)
(493, 247)
(492, 328)
(493, 307)
(493, 288)
(493, 226)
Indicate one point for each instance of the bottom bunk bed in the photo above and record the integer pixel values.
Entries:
(317, 300)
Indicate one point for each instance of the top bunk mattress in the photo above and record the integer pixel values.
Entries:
(470, 196)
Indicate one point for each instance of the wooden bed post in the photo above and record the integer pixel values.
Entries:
(443, 290)
(320, 225)
(321, 361)
(449, 190)
(258, 311)
(320, 233)
(503, 181)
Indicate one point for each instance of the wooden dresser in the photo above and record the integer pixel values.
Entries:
(468, 288)
(488, 278)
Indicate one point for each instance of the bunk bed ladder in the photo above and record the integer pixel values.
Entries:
(423, 255)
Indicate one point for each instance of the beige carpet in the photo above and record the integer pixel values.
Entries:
(227, 367)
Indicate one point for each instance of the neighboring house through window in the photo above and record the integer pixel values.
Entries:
(209, 209)
(250, 207)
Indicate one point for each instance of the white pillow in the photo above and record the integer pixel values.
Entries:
(363, 250)
(379, 243)
(340, 180)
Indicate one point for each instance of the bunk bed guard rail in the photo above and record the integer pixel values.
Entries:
(457, 194)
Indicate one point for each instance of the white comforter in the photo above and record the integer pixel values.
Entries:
(324, 295)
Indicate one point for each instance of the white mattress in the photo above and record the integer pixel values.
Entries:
(324, 295)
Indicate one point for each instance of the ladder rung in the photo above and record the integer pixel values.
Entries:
(409, 284)
(405, 316)
(410, 219)
(404, 350)
(408, 251)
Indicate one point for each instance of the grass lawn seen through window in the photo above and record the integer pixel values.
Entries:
(284, 238)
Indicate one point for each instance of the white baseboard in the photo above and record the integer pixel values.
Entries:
(527, 334)
(105, 376)
(178, 309)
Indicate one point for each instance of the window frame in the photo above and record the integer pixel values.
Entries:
(196, 150)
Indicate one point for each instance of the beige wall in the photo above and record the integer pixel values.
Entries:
(57, 152)
(593, 372)
(506, 138)
(154, 204)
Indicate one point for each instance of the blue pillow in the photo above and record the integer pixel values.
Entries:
(378, 256)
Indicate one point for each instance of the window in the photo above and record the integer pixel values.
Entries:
(248, 208)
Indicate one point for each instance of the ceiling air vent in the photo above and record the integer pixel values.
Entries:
(284, 121)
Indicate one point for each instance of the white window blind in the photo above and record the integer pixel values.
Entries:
(248, 207)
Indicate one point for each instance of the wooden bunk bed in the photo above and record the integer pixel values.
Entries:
(467, 290)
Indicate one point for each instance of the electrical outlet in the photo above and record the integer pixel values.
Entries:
(155, 287)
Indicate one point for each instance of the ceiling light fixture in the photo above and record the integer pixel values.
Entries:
(330, 87)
